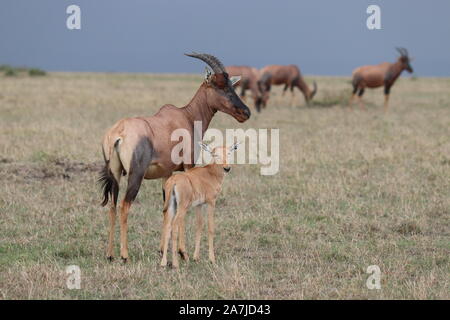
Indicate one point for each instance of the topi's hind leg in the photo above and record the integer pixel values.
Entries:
(361, 103)
(139, 163)
(350, 103)
(387, 90)
(386, 102)
(125, 208)
(112, 223)
(286, 86)
(134, 183)
(113, 214)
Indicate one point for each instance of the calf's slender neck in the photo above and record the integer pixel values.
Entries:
(216, 170)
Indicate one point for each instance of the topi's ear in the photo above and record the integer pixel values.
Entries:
(205, 147)
(234, 80)
(208, 74)
(234, 147)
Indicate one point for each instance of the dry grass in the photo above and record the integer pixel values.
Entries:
(354, 189)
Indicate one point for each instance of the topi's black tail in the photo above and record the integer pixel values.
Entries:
(108, 184)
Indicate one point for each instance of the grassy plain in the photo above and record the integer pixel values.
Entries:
(354, 189)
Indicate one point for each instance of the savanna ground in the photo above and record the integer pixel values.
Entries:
(354, 189)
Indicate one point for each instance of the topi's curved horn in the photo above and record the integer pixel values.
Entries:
(210, 60)
(406, 52)
(402, 51)
(217, 61)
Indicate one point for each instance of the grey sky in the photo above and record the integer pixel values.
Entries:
(321, 36)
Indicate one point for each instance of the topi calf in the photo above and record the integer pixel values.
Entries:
(193, 188)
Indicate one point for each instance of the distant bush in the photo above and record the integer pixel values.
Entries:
(10, 72)
(4, 67)
(36, 72)
(21, 69)
(14, 71)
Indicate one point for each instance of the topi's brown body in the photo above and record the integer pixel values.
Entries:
(289, 76)
(374, 76)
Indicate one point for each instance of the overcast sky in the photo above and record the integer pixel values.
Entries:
(324, 37)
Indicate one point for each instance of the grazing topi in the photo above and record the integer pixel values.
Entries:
(290, 76)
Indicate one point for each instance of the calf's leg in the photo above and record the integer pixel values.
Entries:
(167, 229)
(175, 230)
(198, 231)
(211, 226)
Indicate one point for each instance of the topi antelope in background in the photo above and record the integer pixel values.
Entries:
(249, 81)
(193, 188)
(290, 76)
(383, 74)
(141, 147)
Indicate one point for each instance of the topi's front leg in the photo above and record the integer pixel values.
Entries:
(387, 90)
